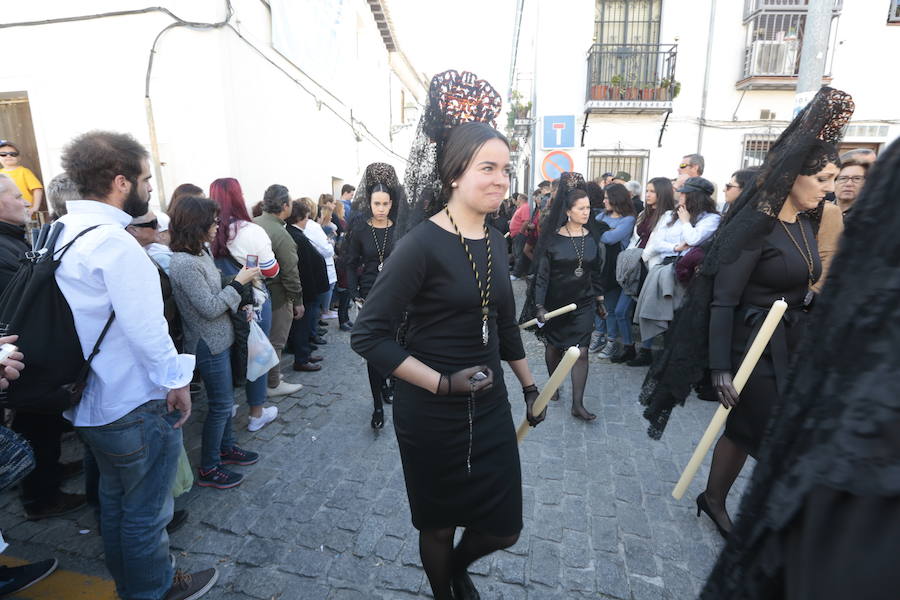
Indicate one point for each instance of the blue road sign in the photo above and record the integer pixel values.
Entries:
(559, 132)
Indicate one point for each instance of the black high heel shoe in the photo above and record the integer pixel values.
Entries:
(378, 418)
(703, 505)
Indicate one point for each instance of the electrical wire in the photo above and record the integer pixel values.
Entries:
(179, 22)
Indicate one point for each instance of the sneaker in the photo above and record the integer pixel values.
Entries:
(14, 579)
(285, 389)
(239, 456)
(63, 505)
(627, 354)
(179, 517)
(219, 478)
(191, 586)
(598, 340)
(644, 358)
(329, 315)
(612, 348)
(268, 415)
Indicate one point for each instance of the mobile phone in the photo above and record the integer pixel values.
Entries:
(6, 350)
(252, 261)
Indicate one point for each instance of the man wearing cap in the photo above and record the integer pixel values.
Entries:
(605, 179)
(30, 186)
(621, 177)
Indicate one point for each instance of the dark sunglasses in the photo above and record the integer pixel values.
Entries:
(154, 224)
(13, 154)
(729, 186)
(684, 165)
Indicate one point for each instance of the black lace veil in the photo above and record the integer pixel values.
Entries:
(804, 148)
(838, 424)
(453, 98)
(361, 209)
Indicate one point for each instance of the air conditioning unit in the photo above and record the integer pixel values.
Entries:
(773, 57)
(766, 115)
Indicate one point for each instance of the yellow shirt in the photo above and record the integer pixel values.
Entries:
(25, 181)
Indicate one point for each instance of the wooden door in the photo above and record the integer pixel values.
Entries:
(16, 126)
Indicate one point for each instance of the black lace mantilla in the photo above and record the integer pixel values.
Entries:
(838, 424)
(803, 148)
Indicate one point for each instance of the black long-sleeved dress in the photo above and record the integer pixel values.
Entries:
(743, 292)
(362, 258)
(429, 275)
(556, 285)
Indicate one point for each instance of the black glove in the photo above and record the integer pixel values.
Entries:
(540, 314)
(601, 309)
(727, 395)
(467, 381)
(531, 394)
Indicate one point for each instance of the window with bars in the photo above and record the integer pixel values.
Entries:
(894, 13)
(625, 22)
(756, 146)
(612, 161)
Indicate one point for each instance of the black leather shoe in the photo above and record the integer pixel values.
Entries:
(308, 367)
(318, 340)
(322, 331)
(178, 519)
(323, 323)
(378, 418)
(463, 588)
(703, 505)
(643, 359)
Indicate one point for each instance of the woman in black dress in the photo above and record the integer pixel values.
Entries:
(568, 269)
(765, 250)
(370, 242)
(451, 415)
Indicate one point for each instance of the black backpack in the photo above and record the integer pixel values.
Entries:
(33, 307)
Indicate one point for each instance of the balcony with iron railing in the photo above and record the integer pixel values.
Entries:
(752, 7)
(635, 78)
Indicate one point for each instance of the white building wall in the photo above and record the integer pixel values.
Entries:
(561, 32)
(221, 109)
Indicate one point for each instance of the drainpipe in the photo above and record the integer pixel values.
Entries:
(154, 155)
(709, 51)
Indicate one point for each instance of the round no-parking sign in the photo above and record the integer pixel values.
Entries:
(555, 164)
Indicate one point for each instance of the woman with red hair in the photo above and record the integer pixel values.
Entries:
(237, 238)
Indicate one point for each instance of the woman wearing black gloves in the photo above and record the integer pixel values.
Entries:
(765, 250)
(369, 243)
(568, 269)
(451, 413)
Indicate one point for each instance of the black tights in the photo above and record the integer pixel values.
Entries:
(727, 461)
(552, 356)
(441, 560)
(375, 383)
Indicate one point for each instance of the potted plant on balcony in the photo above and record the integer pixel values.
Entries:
(668, 89)
(616, 83)
(600, 91)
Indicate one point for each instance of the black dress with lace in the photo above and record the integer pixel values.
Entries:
(556, 285)
(744, 290)
(821, 518)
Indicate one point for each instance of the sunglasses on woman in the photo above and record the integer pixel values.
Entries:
(13, 154)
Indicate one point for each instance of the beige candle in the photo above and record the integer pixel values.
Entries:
(556, 379)
(553, 313)
(740, 379)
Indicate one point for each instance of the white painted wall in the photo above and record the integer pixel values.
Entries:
(556, 35)
(221, 109)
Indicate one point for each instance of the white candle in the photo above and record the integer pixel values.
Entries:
(556, 379)
(740, 380)
(553, 313)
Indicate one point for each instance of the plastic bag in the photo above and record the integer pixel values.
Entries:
(184, 475)
(261, 356)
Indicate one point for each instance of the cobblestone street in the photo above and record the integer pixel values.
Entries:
(324, 514)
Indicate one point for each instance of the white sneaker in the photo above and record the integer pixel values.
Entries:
(285, 389)
(268, 415)
(329, 315)
(611, 348)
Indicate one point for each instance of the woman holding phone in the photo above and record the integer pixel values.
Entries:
(204, 305)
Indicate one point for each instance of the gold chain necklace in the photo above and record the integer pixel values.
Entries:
(808, 255)
(380, 250)
(578, 270)
(484, 291)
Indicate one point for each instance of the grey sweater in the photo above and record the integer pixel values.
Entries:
(202, 302)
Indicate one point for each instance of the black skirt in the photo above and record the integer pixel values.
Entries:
(433, 435)
(571, 329)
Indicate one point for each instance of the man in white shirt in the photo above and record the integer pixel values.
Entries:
(136, 398)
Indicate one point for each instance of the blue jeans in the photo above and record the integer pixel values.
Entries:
(617, 322)
(256, 390)
(137, 456)
(317, 304)
(218, 435)
(300, 332)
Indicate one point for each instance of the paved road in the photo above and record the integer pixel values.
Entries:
(324, 514)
